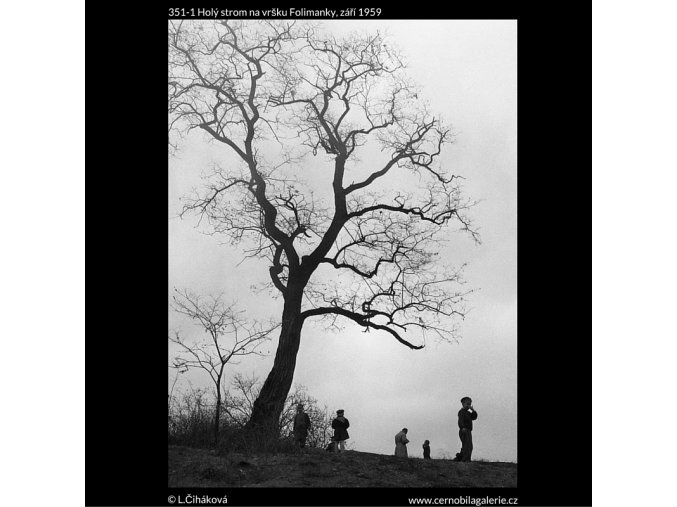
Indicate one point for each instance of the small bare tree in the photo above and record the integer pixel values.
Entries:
(239, 399)
(227, 336)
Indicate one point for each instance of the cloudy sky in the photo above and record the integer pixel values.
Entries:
(468, 73)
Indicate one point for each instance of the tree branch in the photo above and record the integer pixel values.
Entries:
(361, 319)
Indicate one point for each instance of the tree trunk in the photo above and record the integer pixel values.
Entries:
(217, 415)
(270, 402)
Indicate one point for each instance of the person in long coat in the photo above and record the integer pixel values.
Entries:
(401, 442)
(301, 426)
(340, 425)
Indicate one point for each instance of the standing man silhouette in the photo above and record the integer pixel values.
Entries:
(466, 416)
(301, 426)
(340, 425)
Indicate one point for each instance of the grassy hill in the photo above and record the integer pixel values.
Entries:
(191, 467)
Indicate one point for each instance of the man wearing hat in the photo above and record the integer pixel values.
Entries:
(340, 425)
(301, 426)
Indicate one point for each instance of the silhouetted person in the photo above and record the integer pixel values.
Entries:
(401, 442)
(301, 426)
(466, 416)
(426, 449)
(340, 425)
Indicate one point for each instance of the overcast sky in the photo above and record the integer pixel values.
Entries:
(468, 72)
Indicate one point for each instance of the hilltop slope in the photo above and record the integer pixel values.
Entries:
(190, 467)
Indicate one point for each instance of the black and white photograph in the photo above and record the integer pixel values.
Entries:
(374, 259)
(342, 278)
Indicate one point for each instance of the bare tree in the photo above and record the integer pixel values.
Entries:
(228, 336)
(239, 400)
(296, 109)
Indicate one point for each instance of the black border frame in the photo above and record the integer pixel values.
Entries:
(126, 189)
